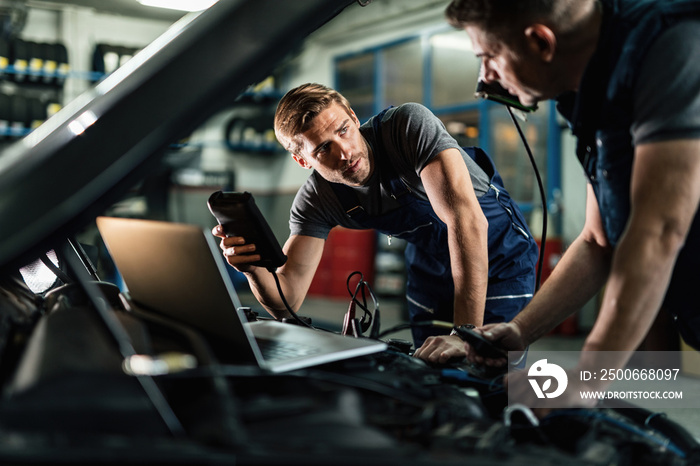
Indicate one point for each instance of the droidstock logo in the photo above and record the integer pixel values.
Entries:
(546, 371)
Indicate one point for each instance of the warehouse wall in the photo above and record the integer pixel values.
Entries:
(273, 178)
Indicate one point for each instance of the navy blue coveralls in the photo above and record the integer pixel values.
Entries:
(600, 116)
(430, 287)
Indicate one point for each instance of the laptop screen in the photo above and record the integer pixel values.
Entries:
(173, 269)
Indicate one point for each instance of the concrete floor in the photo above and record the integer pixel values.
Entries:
(328, 313)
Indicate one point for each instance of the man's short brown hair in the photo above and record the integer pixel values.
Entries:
(297, 109)
(507, 18)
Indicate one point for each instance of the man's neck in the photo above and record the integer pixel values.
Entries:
(372, 161)
(579, 45)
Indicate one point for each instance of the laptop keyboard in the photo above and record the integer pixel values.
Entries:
(281, 350)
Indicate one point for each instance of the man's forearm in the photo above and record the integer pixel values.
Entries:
(295, 276)
(578, 276)
(263, 286)
(448, 185)
(470, 268)
(640, 275)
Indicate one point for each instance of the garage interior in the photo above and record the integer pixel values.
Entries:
(384, 53)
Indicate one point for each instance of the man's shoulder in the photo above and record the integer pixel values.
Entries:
(402, 114)
(311, 186)
(409, 116)
(408, 108)
(311, 204)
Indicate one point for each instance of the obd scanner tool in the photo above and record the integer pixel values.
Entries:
(239, 215)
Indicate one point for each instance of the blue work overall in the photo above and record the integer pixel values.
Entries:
(512, 251)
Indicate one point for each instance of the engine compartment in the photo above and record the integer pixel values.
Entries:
(67, 395)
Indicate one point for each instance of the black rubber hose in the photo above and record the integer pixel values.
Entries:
(678, 435)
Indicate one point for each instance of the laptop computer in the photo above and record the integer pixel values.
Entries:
(177, 270)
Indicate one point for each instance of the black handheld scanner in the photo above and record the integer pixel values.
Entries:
(497, 93)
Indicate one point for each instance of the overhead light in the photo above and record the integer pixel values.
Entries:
(452, 41)
(182, 5)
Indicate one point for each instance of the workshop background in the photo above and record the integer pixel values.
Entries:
(52, 52)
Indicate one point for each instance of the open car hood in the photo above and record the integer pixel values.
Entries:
(85, 157)
(66, 393)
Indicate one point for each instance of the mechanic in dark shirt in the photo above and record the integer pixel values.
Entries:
(626, 76)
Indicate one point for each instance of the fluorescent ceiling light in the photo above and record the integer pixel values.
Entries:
(182, 5)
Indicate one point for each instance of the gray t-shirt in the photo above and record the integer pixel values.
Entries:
(411, 137)
(667, 93)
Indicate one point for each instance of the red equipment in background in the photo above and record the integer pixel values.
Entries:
(345, 252)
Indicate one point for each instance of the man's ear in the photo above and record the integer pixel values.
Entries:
(542, 41)
(301, 161)
(354, 117)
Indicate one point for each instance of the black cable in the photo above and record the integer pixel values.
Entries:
(60, 274)
(543, 240)
(426, 323)
(374, 319)
(286, 304)
(397, 328)
(364, 324)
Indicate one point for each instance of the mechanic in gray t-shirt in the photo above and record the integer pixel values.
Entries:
(470, 257)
